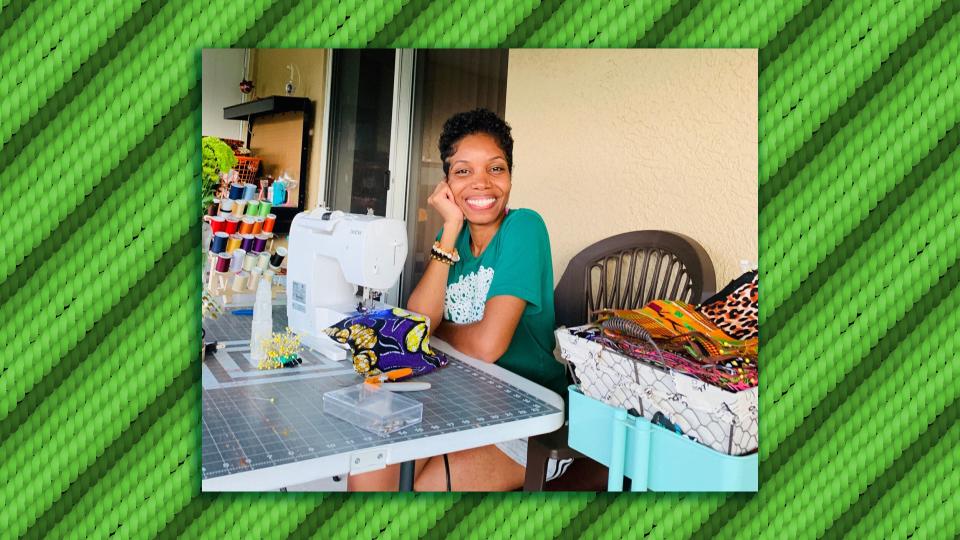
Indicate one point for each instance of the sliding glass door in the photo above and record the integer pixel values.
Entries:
(386, 112)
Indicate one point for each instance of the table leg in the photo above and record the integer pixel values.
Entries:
(406, 475)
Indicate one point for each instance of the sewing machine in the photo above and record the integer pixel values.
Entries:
(331, 253)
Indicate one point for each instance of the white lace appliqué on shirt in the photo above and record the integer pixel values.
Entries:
(467, 297)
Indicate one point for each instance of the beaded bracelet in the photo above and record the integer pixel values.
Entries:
(444, 260)
(453, 257)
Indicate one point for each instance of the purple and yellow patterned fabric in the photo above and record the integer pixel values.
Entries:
(389, 339)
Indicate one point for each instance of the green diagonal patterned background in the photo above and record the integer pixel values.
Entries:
(859, 245)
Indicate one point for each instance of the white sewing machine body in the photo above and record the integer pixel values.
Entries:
(331, 253)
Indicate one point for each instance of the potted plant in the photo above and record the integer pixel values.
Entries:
(217, 159)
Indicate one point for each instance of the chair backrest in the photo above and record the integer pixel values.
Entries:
(629, 270)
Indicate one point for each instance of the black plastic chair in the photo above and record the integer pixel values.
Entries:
(625, 271)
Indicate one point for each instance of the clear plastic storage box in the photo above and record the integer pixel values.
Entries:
(372, 408)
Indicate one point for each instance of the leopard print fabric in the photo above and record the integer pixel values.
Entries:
(734, 309)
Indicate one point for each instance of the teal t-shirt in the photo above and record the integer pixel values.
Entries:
(517, 262)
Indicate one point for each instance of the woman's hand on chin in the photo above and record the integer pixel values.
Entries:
(442, 199)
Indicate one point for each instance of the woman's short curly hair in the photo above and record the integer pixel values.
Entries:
(480, 120)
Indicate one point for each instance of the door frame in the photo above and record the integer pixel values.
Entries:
(401, 132)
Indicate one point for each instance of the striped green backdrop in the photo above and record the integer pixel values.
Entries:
(99, 302)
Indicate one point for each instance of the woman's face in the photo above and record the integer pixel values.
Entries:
(479, 178)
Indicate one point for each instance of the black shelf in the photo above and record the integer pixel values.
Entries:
(262, 107)
(267, 105)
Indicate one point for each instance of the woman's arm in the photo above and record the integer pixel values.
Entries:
(429, 295)
(488, 338)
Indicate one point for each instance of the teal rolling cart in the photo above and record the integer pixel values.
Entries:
(654, 458)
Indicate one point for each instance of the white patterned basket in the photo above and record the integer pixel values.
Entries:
(715, 417)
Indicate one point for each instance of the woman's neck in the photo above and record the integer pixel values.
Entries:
(481, 235)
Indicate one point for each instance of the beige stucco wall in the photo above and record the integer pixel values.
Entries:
(619, 140)
(268, 70)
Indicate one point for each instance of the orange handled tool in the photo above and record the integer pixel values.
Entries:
(391, 375)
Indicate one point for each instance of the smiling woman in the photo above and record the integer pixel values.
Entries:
(488, 291)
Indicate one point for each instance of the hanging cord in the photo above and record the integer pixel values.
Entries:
(446, 468)
(631, 329)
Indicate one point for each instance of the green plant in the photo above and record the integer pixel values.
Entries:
(217, 158)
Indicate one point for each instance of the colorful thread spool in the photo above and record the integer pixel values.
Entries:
(236, 191)
(249, 261)
(249, 192)
(263, 260)
(236, 260)
(219, 242)
(232, 243)
(240, 281)
(252, 208)
(254, 279)
(246, 242)
(246, 225)
(226, 205)
(277, 259)
(264, 209)
(231, 224)
(223, 262)
(238, 208)
(213, 208)
(279, 193)
(217, 224)
(268, 222)
(260, 242)
(257, 226)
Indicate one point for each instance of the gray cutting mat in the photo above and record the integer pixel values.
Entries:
(256, 419)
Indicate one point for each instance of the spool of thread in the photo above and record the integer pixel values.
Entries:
(246, 242)
(226, 205)
(252, 208)
(264, 209)
(231, 224)
(263, 260)
(236, 191)
(254, 279)
(236, 260)
(268, 222)
(257, 226)
(260, 242)
(240, 281)
(211, 281)
(223, 262)
(219, 242)
(213, 208)
(277, 259)
(238, 208)
(232, 243)
(217, 224)
(279, 193)
(269, 275)
(249, 261)
(246, 226)
(249, 192)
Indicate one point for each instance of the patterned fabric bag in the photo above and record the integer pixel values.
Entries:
(679, 327)
(735, 309)
(389, 339)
